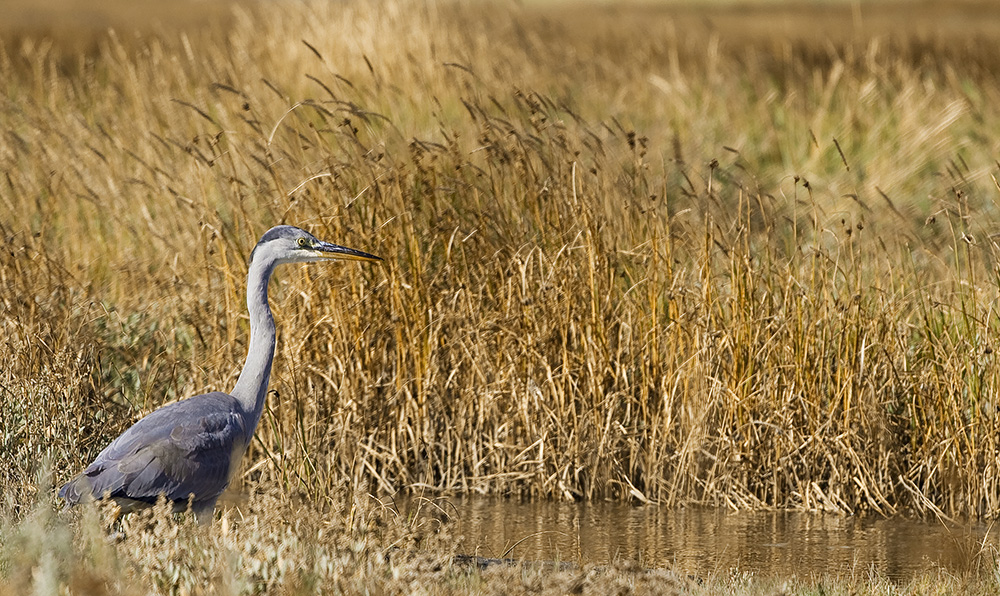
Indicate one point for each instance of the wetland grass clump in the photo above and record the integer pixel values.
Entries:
(630, 264)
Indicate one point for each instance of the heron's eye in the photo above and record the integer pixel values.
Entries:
(303, 242)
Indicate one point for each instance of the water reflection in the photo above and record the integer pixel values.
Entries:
(703, 541)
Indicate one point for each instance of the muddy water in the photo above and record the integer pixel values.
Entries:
(704, 541)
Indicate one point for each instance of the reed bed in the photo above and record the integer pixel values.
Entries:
(647, 263)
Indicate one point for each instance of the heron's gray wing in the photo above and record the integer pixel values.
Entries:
(182, 449)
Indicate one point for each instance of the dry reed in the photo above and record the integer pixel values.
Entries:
(631, 264)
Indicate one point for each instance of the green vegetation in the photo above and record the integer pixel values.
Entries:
(650, 260)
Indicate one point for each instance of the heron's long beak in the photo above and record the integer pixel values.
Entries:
(327, 250)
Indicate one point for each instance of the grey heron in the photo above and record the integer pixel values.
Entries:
(189, 450)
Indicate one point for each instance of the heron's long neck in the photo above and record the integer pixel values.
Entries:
(251, 387)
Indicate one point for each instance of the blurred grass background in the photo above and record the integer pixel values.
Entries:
(739, 256)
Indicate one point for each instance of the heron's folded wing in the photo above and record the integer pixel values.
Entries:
(185, 449)
(194, 459)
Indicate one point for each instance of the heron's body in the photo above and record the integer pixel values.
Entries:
(189, 450)
(185, 450)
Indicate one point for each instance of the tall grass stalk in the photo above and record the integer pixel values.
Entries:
(631, 263)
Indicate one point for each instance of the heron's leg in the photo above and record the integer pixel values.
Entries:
(204, 511)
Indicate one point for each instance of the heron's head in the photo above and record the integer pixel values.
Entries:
(288, 244)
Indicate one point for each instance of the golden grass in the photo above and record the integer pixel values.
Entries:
(621, 262)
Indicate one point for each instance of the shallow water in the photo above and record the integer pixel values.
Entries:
(702, 541)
